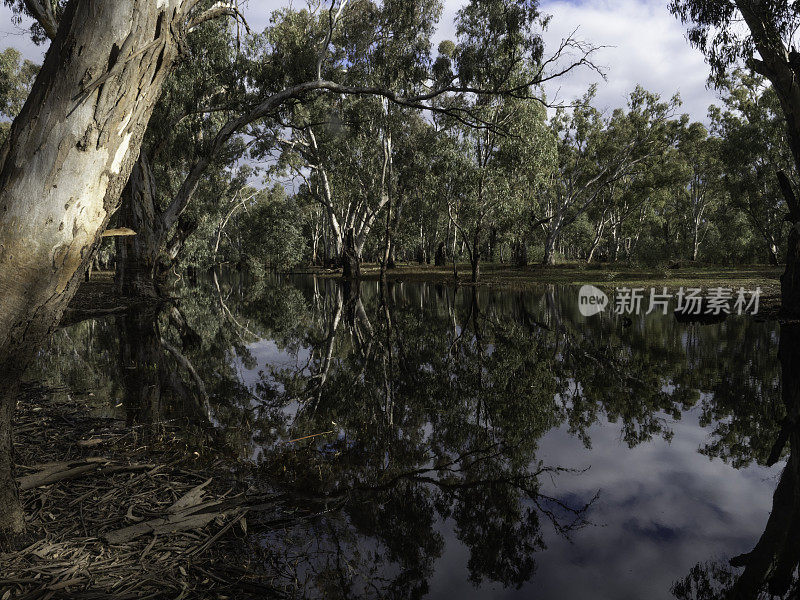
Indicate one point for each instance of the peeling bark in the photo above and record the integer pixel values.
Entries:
(62, 170)
(549, 257)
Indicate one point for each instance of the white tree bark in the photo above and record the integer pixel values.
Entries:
(62, 169)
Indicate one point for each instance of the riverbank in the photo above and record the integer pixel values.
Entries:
(604, 276)
(99, 296)
(131, 510)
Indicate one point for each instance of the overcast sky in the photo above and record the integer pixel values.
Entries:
(645, 45)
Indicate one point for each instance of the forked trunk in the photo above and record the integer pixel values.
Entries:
(62, 170)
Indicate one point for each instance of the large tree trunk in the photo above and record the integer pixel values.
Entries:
(62, 170)
(549, 257)
(520, 253)
(137, 256)
(351, 259)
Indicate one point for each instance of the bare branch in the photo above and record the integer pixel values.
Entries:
(219, 9)
(333, 18)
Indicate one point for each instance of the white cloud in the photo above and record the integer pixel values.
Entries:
(647, 46)
(644, 43)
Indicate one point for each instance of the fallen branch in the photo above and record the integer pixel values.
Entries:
(55, 472)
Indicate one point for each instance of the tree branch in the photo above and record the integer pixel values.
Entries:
(219, 9)
(42, 11)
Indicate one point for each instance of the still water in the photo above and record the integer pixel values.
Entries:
(474, 444)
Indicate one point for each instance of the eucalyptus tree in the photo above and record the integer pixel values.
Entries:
(618, 219)
(506, 159)
(699, 186)
(271, 235)
(754, 145)
(499, 54)
(529, 155)
(65, 162)
(414, 216)
(254, 229)
(155, 201)
(488, 192)
(348, 157)
(609, 218)
(444, 187)
(347, 144)
(16, 77)
(595, 152)
(760, 34)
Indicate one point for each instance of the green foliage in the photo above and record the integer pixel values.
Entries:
(481, 176)
(16, 78)
(715, 28)
(272, 236)
(20, 11)
(753, 147)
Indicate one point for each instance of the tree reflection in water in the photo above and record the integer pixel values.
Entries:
(770, 569)
(419, 412)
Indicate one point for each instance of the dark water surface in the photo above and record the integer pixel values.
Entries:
(476, 444)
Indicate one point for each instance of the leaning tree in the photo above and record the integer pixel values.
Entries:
(64, 164)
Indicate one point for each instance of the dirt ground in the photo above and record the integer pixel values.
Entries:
(119, 511)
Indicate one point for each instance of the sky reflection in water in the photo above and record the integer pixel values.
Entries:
(666, 423)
